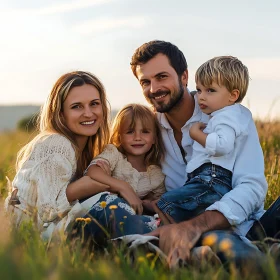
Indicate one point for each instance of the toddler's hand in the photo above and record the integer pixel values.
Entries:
(195, 128)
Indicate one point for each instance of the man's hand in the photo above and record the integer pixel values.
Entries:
(177, 240)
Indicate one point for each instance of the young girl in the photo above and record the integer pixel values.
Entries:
(133, 158)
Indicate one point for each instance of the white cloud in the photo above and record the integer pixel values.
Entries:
(264, 68)
(105, 24)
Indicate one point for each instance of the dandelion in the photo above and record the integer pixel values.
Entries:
(103, 204)
(225, 245)
(209, 240)
(113, 207)
(125, 217)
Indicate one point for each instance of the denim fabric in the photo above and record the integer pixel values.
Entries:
(117, 222)
(244, 255)
(205, 185)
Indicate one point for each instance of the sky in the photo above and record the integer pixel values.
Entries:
(42, 39)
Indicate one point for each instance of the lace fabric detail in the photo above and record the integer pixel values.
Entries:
(127, 208)
(153, 224)
(43, 178)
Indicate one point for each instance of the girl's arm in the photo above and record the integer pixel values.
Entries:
(116, 186)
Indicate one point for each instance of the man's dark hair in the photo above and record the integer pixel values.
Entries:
(149, 50)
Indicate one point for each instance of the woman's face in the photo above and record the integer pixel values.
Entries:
(82, 112)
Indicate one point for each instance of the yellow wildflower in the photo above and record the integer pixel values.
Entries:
(225, 245)
(121, 223)
(117, 260)
(141, 259)
(149, 255)
(87, 220)
(103, 204)
(113, 207)
(125, 217)
(210, 240)
(79, 219)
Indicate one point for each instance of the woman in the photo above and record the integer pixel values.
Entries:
(49, 182)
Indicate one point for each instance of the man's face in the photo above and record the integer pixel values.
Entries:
(160, 83)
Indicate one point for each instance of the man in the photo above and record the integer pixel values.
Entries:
(161, 70)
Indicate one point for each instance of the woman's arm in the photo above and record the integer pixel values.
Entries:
(84, 187)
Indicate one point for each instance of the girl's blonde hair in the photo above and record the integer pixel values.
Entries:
(51, 122)
(136, 112)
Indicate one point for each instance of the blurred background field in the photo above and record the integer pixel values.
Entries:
(23, 255)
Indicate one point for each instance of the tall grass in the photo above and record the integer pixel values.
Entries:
(269, 134)
(24, 256)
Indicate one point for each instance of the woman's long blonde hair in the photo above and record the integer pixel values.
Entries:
(136, 112)
(50, 120)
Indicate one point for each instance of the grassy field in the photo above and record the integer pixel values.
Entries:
(24, 256)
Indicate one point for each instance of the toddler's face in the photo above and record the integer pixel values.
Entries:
(215, 97)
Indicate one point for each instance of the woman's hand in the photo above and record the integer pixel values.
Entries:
(131, 197)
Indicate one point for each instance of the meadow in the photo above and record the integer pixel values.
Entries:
(23, 255)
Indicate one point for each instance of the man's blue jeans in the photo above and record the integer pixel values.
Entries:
(205, 185)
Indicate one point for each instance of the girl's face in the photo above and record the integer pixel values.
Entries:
(82, 112)
(136, 141)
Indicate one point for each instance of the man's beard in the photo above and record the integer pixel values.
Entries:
(175, 99)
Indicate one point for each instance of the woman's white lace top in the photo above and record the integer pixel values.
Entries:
(42, 182)
(142, 182)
